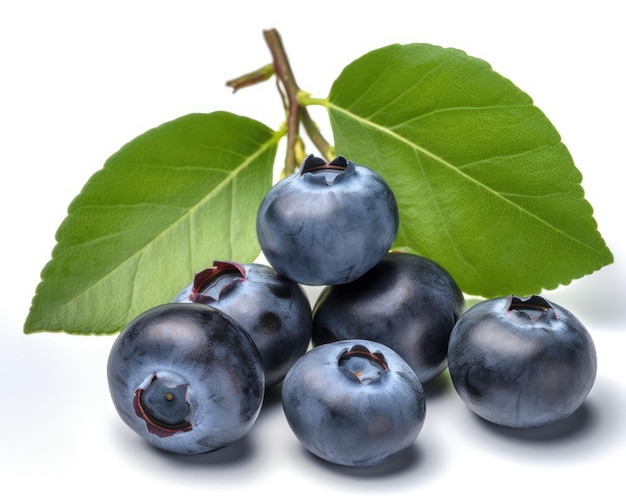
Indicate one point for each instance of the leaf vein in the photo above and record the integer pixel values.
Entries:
(223, 184)
(419, 149)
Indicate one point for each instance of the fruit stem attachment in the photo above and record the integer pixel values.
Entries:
(325, 148)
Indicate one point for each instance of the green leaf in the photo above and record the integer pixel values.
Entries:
(162, 208)
(484, 184)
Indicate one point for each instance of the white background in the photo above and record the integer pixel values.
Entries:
(80, 79)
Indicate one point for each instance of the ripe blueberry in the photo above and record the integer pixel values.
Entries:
(186, 378)
(274, 311)
(328, 223)
(353, 402)
(406, 302)
(521, 363)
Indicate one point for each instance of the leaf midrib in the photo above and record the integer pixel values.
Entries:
(455, 170)
(188, 214)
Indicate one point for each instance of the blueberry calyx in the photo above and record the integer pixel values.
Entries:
(210, 284)
(361, 364)
(326, 172)
(164, 408)
(533, 308)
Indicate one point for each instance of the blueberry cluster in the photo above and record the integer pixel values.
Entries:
(190, 376)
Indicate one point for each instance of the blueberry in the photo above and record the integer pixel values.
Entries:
(186, 377)
(328, 223)
(406, 302)
(353, 402)
(521, 362)
(274, 311)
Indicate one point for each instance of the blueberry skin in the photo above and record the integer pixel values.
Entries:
(348, 421)
(328, 223)
(521, 363)
(406, 302)
(274, 311)
(186, 378)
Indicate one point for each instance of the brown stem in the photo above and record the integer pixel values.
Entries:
(290, 93)
(285, 75)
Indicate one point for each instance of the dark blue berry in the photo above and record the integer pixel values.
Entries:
(328, 223)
